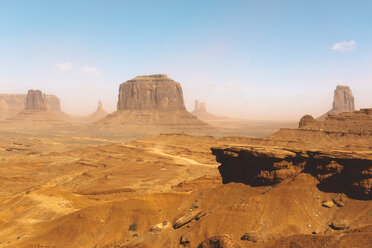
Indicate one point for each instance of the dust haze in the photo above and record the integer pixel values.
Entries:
(185, 124)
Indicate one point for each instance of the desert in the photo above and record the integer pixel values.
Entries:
(178, 137)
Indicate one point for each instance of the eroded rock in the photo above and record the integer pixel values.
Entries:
(153, 92)
(343, 101)
(221, 241)
(340, 224)
(345, 171)
(35, 100)
(161, 227)
(328, 204)
(196, 214)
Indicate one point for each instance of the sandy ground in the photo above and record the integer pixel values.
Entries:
(70, 191)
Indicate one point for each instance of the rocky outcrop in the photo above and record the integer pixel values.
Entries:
(154, 92)
(343, 101)
(358, 122)
(345, 171)
(35, 101)
(99, 114)
(220, 241)
(306, 120)
(200, 111)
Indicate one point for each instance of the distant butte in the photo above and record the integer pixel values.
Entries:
(12, 104)
(343, 101)
(149, 104)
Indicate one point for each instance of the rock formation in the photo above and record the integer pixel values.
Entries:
(149, 105)
(358, 122)
(346, 171)
(154, 92)
(343, 101)
(52, 103)
(35, 101)
(99, 114)
(40, 113)
(200, 111)
(12, 104)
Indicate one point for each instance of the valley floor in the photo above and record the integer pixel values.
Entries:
(162, 191)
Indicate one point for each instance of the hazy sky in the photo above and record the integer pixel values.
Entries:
(254, 59)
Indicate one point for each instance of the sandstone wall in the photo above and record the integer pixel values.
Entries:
(35, 100)
(154, 92)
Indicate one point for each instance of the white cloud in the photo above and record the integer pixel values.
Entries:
(63, 67)
(344, 46)
(90, 70)
(232, 85)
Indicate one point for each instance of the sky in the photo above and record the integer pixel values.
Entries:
(258, 60)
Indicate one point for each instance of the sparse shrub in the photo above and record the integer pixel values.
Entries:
(133, 226)
(268, 189)
(135, 235)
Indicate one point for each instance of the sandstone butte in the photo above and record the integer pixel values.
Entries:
(40, 111)
(149, 105)
(343, 101)
(12, 104)
(302, 187)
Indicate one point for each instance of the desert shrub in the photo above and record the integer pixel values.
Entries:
(267, 189)
(133, 226)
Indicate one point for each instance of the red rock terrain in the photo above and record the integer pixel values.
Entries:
(301, 187)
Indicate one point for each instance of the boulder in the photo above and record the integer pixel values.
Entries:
(193, 215)
(340, 224)
(328, 204)
(161, 227)
(220, 241)
(251, 236)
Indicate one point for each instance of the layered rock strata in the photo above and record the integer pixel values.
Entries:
(154, 92)
(345, 171)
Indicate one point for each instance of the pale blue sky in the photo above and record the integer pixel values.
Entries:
(252, 59)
